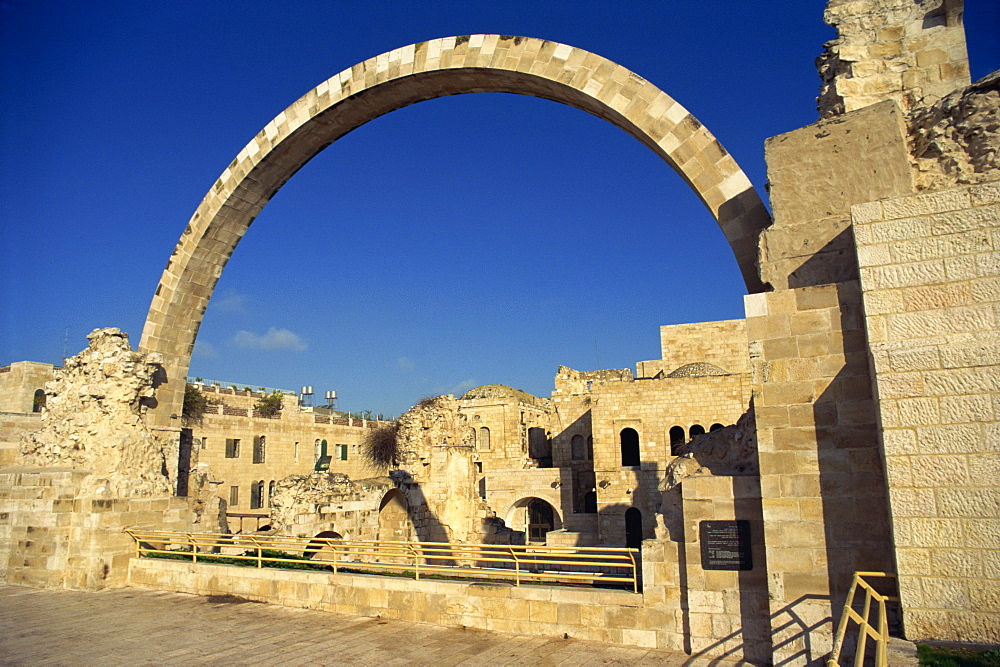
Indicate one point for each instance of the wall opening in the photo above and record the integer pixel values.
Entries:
(629, 439)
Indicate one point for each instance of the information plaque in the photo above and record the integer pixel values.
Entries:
(725, 545)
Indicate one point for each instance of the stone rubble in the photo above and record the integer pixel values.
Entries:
(93, 420)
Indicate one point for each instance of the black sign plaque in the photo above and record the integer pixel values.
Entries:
(725, 545)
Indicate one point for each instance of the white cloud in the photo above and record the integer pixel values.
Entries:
(230, 302)
(462, 387)
(274, 339)
(204, 350)
(405, 364)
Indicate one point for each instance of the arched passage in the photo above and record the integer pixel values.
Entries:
(405, 76)
(534, 517)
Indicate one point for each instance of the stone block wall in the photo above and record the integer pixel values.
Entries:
(930, 269)
(52, 536)
(816, 173)
(726, 610)
(822, 484)
(723, 344)
(616, 617)
(18, 383)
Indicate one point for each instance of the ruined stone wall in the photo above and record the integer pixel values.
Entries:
(912, 52)
(14, 426)
(94, 419)
(956, 141)
(307, 505)
(931, 279)
(651, 408)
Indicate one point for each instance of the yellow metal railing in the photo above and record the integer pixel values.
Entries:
(519, 563)
(866, 629)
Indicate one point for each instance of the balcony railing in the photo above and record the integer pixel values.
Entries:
(611, 566)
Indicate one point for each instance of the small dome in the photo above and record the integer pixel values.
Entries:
(699, 369)
(501, 391)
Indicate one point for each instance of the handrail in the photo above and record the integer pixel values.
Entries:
(865, 628)
(520, 563)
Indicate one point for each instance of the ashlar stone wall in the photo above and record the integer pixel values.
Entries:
(930, 269)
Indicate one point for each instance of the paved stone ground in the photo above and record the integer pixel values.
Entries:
(137, 626)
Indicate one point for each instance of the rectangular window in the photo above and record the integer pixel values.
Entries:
(204, 443)
(232, 448)
(342, 452)
(234, 496)
(258, 449)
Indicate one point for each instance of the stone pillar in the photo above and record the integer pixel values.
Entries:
(822, 487)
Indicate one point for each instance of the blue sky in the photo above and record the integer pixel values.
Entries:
(462, 241)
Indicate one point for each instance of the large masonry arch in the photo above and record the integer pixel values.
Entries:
(404, 76)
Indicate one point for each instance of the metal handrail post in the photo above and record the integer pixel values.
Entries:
(635, 576)
(859, 654)
(517, 567)
(194, 547)
(416, 561)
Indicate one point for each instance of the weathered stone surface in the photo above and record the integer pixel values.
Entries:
(93, 420)
(909, 51)
(957, 140)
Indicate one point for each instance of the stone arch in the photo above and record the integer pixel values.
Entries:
(517, 515)
(319, 542)
(405, 76)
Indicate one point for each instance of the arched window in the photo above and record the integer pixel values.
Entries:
(676, 439)
(39, 401)
(317, 450)
(539, 447)
(578, 448)
(258, 449)
(270, 494)
(630, 446)
(256, 495)
(716, 427)
(484, 438)
(697, 429)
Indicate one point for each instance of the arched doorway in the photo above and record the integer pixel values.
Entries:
(633, 528)
(405, 76)
(535, 517)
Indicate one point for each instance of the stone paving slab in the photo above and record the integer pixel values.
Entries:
(137, 626)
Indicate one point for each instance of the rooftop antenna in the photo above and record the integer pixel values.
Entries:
(65, 344)
(598, 351)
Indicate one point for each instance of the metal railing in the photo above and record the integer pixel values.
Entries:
(521, 564)
(866, 629)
